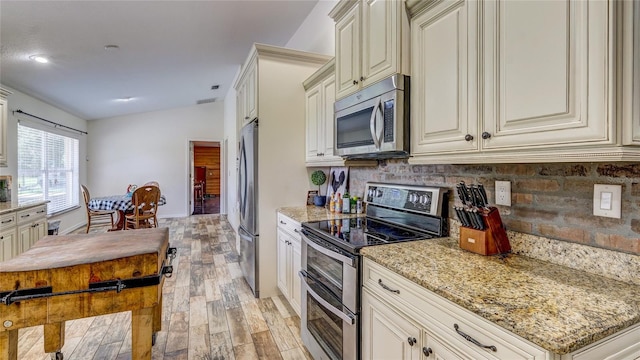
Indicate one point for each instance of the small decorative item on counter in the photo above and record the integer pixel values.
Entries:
(338, 204)
(353, 204)
(359, 206)
(332, 203)
(318, 178)
(346, 203)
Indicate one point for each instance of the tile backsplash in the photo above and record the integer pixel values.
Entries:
(549, 200)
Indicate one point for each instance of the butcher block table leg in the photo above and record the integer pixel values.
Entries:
(53, 337)
(9, 345)
(141, 333)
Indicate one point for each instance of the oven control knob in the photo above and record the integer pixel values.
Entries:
(413, 198)
(378, 193)
(423, 199)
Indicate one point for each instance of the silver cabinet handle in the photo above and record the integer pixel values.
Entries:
(387, 288)
(472, 340)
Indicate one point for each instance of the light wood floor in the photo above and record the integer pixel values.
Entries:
(209, 311)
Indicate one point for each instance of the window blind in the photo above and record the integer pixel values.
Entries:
(47, 168)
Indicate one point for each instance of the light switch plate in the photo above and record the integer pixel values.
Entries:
(607, 200)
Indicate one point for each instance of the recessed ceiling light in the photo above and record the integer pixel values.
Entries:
(39, 58)
(215, 87)
(125, 99)
(111, 47)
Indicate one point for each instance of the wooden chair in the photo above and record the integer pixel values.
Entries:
(145, 201)
(94, 214)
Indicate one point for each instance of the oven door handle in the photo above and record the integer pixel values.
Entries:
(349, 317)
(329, 253)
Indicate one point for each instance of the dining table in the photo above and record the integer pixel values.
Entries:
(119, 203)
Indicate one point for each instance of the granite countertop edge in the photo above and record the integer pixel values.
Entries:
(537, 300)
(8, 207)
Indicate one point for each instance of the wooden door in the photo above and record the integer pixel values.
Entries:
(209, 157)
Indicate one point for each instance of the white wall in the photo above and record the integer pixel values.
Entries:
(316, 33)
(26, 103)
(134, 149)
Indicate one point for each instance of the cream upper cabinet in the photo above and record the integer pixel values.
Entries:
(3, 126)
(372, 42)
(247, 95)
(320, 97)
(445, 71)
(546, 71)
(523, 81)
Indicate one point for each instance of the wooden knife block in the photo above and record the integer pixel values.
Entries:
(493, 240)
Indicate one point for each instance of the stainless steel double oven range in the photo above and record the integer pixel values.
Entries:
(331, 261)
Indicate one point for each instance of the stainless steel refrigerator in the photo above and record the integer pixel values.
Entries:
(248, 197)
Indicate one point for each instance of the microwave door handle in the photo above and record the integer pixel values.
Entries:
(372, 124)
(379, 123)
(348, 317)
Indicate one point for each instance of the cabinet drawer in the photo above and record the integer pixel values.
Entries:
(7, 221)
(291, 226)
(440, 316)
(31, 214)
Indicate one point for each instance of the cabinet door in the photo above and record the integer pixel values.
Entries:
(8, 245)
(3, 132)
(39, 231)
(348, 53)
(24, 238)
(380, 39)
(251, 92)
(444, 79)
(242, 117)
(385, 333)
(313, 122)
(283, 263)
(296, 266)
(327, 123)
(547, 71)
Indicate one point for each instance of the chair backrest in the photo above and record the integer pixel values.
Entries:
(85, 195)
(152, 183)
(145, 199)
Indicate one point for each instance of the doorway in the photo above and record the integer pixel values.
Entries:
(205, 177)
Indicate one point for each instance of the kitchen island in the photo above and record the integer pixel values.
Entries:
(557, 308)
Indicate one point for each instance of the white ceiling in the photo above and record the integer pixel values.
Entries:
(171, 52)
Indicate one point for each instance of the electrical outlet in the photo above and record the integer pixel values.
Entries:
(503, 193)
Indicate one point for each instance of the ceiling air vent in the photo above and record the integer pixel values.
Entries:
(205, 101)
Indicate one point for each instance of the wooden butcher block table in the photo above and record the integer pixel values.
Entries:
(68, 277)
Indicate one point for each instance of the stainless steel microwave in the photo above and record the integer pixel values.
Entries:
(374, 122)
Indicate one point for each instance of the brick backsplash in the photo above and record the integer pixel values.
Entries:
(549, 200)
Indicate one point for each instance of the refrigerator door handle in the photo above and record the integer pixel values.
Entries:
(243, 178)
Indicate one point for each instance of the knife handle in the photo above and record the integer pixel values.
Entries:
(483, 193)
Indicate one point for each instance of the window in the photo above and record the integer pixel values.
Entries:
(47, 169)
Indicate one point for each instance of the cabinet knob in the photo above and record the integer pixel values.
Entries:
(355, 82)
(361, 78)
(486, 135)
(282, 222)
(468, 137)
(246, 118)
(426, 351)
(411, 340)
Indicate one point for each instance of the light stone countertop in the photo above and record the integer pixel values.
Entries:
(7, 207)
(556, 307)
(313, 213)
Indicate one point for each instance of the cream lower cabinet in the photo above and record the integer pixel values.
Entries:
(8, 240)
(402, 320)
(289, 260)
(516, 81)
(319, 99)
(32, 226)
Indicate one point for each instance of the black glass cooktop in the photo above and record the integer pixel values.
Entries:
(356, 233)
